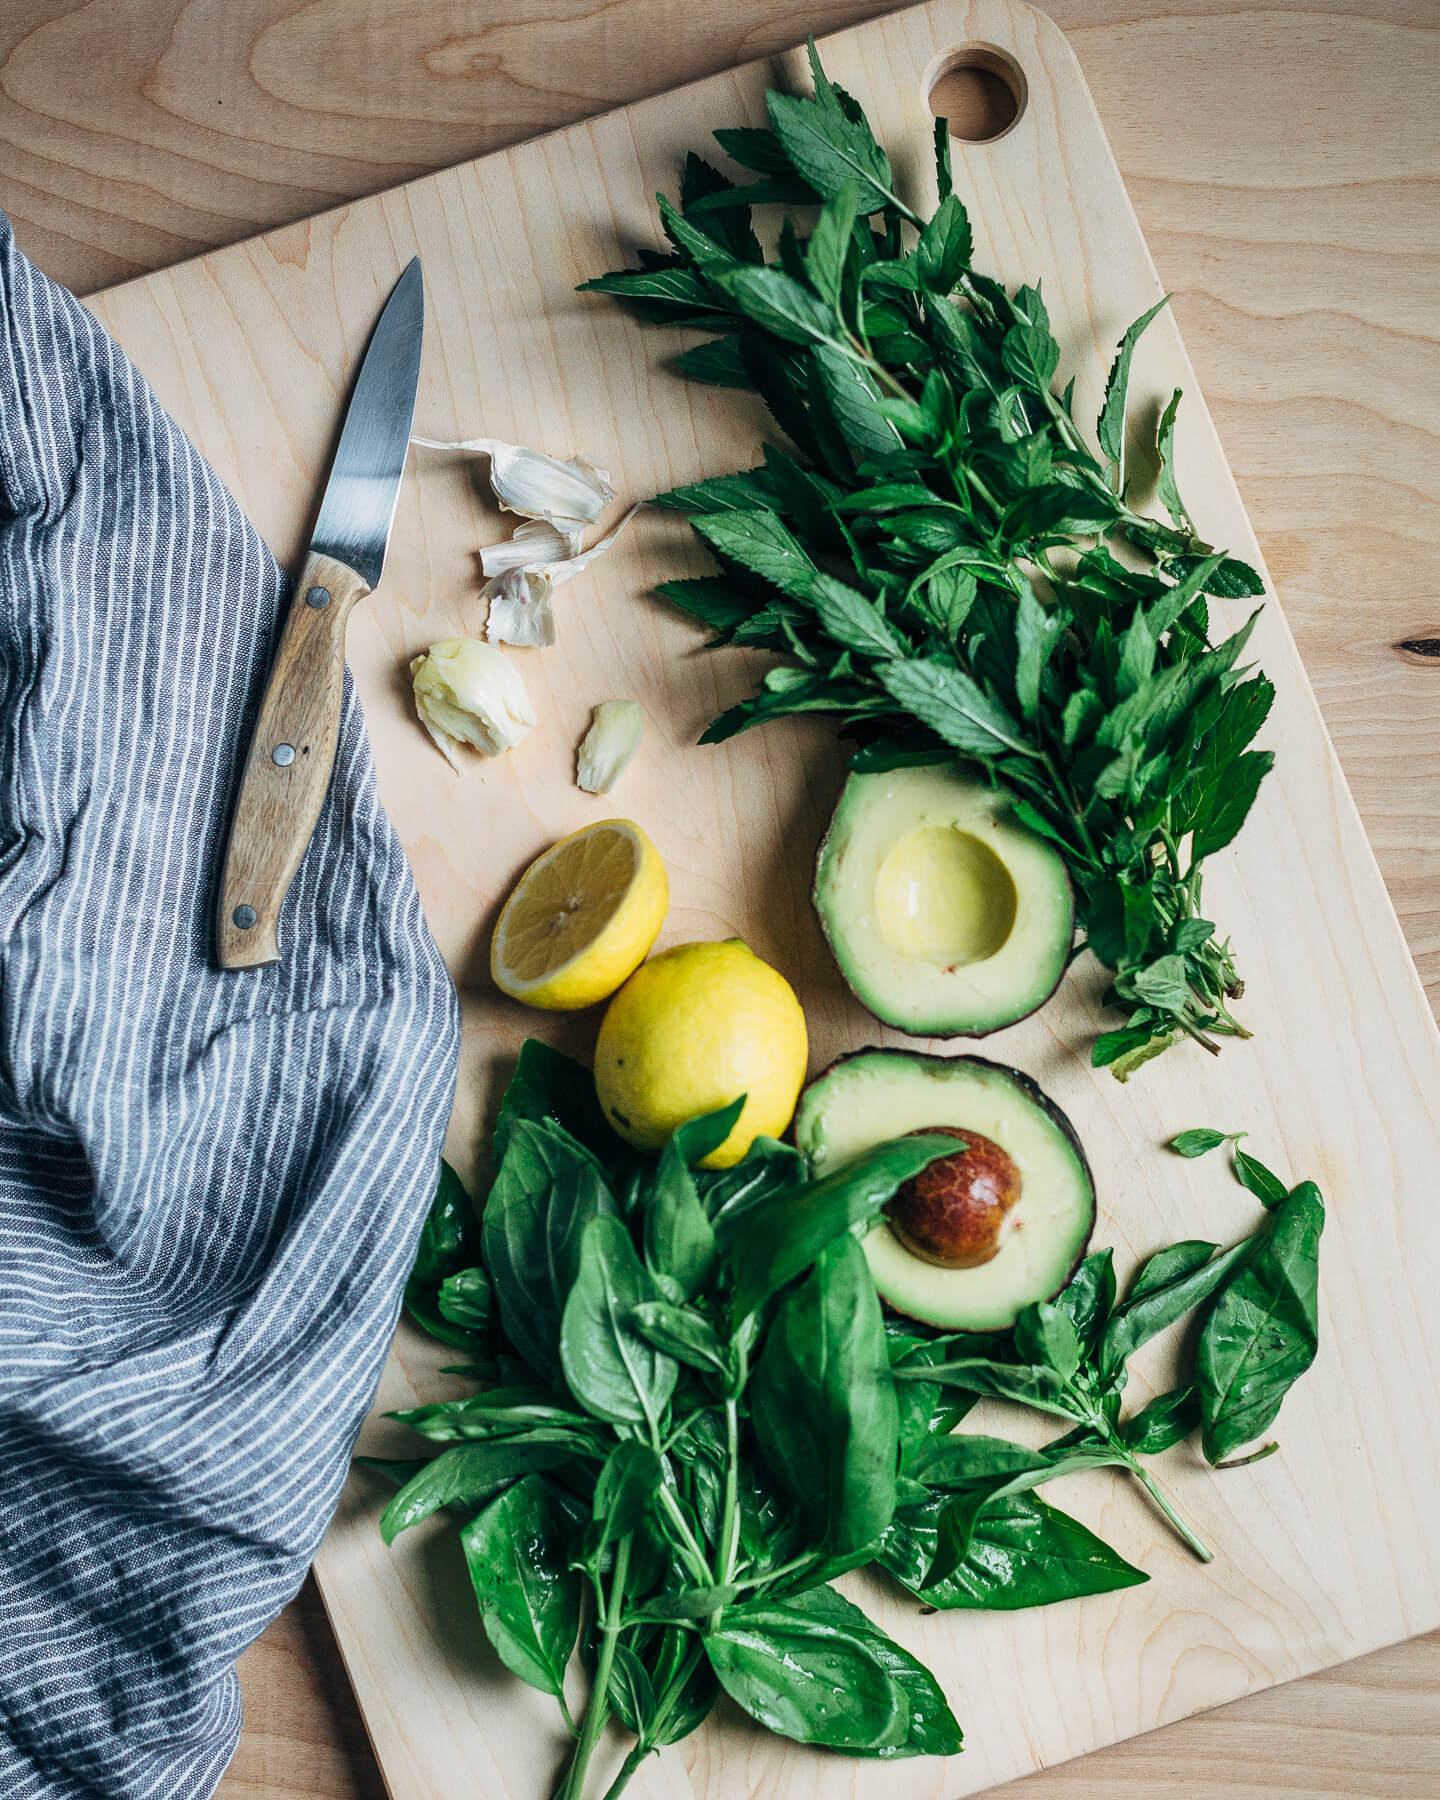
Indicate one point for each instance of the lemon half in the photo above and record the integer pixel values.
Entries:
(581, 918)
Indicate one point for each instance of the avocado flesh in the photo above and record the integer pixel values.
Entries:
(947, 918)
(879, 1094)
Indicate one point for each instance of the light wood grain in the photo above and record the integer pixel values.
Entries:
(1310, 215)
(287, 768)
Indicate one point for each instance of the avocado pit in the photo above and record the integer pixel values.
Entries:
(952, 1213)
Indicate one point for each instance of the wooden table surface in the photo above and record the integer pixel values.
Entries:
(1285, 163)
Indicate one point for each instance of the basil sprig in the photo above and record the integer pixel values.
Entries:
(1257, 1307)
(690, 1416)
(932, 553)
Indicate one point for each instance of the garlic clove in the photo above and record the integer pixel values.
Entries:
(466, 692)
(610, 744)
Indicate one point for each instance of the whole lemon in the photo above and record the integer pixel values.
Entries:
(692, 1030)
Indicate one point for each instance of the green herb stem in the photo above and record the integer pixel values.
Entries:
(700, 1569)
(597, 1709)
(1166, 1505)
(637, 1754)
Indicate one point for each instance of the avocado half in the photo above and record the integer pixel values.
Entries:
(873, 1095)
(946, 916)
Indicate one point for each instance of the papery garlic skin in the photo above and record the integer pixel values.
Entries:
(610, 744)
(467, 692)
(537, 544)
(520, 611)
(536, 485)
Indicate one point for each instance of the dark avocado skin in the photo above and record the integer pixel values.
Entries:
(1032, 1091)
(944, 1037)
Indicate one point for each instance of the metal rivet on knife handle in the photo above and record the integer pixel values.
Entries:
(318, 597)
(244, 917)
(283, 755)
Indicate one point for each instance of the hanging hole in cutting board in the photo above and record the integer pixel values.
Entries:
(979, 91)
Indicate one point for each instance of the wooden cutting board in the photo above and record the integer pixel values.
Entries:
(1323, 1550)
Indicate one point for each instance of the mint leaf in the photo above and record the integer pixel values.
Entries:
(829, 149)
(1110, 427)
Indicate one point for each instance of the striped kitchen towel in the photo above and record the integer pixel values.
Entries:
(211, 1184)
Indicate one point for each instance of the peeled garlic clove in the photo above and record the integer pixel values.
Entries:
(536, 544)
(520, 611)
(466, 692)
(610, 743)
(536, 485)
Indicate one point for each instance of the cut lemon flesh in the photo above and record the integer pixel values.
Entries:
(581, 919)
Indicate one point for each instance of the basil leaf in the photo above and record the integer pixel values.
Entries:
(785, 1231)
(631, 1692)
(549, 1188)
(679, 1238)
(464, 1300)
(1267, 1188)
(1169, 1265)
(611, 1369)
(625, 1488)
(925, 1407)
(449, 1241)
(681, 1333)
(822, 1402)
(959, 1519)
(1198, 1142)
(806, 1677)
(694, 1694)
(932, 1730)
(1046, 1334)
(1165, 1421)
(550, 1086)
(689, 1603)
(517, 1552)
(701, 1136)
(1262, 1332)
(969, 1457)
(1156, 1308)
(1022, 1552)
(1088, 1299)
(767, 1167)
(1032, 1385)
(467, 1475)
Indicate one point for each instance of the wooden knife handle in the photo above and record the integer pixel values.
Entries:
(288, 768)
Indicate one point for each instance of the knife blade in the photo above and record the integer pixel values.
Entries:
(292, 752)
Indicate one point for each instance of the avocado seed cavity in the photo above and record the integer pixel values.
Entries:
(951, 1213)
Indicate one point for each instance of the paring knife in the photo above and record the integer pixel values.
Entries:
(293, 750)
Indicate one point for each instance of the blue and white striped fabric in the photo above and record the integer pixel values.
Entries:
(210, 1184)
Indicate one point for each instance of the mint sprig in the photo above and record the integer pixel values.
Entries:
(932, 556)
